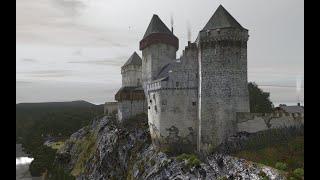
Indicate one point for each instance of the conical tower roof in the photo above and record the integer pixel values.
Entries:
(133, 60)
(222, 19)
(157, 26)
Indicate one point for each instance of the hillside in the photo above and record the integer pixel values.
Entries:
(38, 122)
(54, 118)
(108, 150)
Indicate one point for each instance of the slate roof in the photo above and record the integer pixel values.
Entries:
(157, 26)
(222, 19)
(134, 60)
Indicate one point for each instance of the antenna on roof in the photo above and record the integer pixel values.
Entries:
(188, 31)
(171, 21)
(298, 86)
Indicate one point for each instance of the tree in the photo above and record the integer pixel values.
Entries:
(259, 100)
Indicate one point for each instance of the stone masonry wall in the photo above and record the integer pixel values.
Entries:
(131, 76)
(173, 117)
(173, 104)
(222, 84)
(127, 109)
(154, 57)
(110, 107)
(254, 122)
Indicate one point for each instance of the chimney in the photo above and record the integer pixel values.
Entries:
(172, 30)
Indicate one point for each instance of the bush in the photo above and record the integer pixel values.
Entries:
(191, 159)
(299, 172)
(281, 166)
(263, 175)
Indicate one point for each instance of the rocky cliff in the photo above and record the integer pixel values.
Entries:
(108, 150)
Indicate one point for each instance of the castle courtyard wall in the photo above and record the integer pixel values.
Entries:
(130, 108)
(172, 115)
(110, 107)
(255, 122)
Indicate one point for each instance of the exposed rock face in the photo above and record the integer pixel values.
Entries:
(107, 150)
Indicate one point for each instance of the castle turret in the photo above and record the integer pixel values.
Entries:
(131, 71)
(130, 97)
(222, 86)
(159, 46)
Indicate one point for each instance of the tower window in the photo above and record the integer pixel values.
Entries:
(138, 83)
(164, 102)
(150, 101)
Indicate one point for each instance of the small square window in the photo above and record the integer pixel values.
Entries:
(194, 103)
(164, 102)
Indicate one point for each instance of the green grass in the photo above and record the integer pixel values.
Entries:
(285, 156)
(86, 148)
(57, 145)
(191, 159)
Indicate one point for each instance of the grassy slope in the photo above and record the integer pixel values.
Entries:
(291, 153)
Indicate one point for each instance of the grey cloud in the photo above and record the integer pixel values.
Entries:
(50, 73)
(69, 7)
(22, 82)
(29, 60)
(117, 61)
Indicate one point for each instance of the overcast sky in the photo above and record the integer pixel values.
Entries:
(73, 49)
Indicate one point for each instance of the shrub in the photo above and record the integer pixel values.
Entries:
(223, 178)
(263, 175)
(191, 159)
(153, 162)
(281, 166)
(299, 172)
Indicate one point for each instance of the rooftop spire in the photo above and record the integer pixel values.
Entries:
(157, 26)
(222, 19)
(133, 60)
(158, 32)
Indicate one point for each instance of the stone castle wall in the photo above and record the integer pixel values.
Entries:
(131, 76)
(154, 57)
(173, 103)
(255, 122)
(130, 108)
(222, 84)
(110, 107)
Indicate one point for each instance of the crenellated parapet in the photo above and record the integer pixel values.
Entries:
(223, 37)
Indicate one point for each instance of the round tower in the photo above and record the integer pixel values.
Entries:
(159, 46)
(223, 81)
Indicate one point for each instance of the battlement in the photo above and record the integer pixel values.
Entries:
(224, 34)
(125, 69)
(161, 84)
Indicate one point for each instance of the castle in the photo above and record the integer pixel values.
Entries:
(197, 101)
(191, 101)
